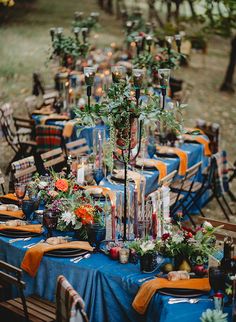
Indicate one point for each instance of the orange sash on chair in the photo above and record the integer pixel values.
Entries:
(37, 229)
(148, 289)
(159, 165)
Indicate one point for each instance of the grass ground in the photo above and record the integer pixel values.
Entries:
(24, 48)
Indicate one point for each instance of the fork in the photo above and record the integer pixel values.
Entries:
(82, 257)
(33, 244)
(11, 241)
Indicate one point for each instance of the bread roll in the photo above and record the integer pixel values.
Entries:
(56, 240)
(178, 275)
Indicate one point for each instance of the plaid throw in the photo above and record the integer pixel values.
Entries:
(48, 137)
(221, 174)
(21, 165)
(70, 306)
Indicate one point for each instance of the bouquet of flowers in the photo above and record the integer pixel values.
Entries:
(143, 246)
(194, 245)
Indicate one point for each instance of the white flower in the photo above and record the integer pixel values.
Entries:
(178, 238)
(207, 225)
(42, 184)
(68, 217)
(146, 246)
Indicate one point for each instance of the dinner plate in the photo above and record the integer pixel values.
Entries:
(166, 155)
(181, 292)
(9, 201)
(4, 217)
(121, 180)
(17, 233)
(66, 252)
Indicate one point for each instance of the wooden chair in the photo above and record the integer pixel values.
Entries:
(21, 146)
(54, 159)
(30, 309)
(69, 303)
(228, 228)
(23, 169)
(186, 186)
(2, 181)
(77, 148)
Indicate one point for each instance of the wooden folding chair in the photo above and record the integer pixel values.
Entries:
(186, 186)
(23, 169)
(54, 159)
(69, 303)
(77, 148)
(2, 181)
(212, 130)
(227, 228)
(30, 309)
(17, 142)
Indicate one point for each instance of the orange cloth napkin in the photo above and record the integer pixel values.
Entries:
(199, 139)
(183, 157)
(68, 128)
(159, 165)
(34, 255)
(106, 192)
(11, 196)
(148, 289)
(54, 117)
(37, 229)
(18, 214)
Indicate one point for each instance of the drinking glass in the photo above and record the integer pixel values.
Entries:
(98, 175)
(20, 191)
(28, 207)
(50, 221)
(151, 148)
(217, 279)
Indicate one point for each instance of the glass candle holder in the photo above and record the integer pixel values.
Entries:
(95, 16)
(59, 32)
(124, 255)
(52, 33)
(149, 40)
(164, 75)
(138, 75)
(178, 39)
(84, 32)
(89, 73)
(78, 15)
(169, 40)
(76, 31)
(118, 73)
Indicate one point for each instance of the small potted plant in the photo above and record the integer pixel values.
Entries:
(147, 252)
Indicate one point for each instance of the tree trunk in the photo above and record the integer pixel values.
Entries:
(109, 7)
(227, 85)
(101, 3)
(192, 8)
(168, 15)
(153, 13)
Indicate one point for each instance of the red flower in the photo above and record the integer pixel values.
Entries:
(76, 187)
(165, 236)
(62, 185)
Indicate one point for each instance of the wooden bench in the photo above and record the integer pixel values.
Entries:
(21, 309)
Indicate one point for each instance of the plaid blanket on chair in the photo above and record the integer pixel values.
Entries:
(221, 175)
(22, 165)
(48, 137)
(70, 306)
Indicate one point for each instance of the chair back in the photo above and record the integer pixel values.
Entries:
(6, 122)
(48, 137)
(2, 181)
(77, 148)
(23, 169)
(24, 127)
(212, 130)
(13, 276)
(193, 171)
(53, 158)
(220, 172)
(50, 98)
(167, 180)
(227, 227)
(70, 306)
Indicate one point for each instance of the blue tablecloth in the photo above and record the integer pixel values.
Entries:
(107, 287)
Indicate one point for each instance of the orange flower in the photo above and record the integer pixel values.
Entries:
(85, 214)
(62, 185)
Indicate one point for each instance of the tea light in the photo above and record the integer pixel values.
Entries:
(118, 73)
(124, 255)
(80, 174)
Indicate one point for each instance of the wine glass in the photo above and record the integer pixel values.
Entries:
(28, 207)
(20, 191)
(50, 221)
(98, 175)
(217, 279)
(151, 148)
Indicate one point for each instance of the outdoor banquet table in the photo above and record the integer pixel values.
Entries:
(107, 287)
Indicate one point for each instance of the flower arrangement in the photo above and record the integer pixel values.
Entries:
(194, 245)
(143, 246)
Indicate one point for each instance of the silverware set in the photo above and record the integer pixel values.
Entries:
(11, 241)
(34, 244)
(186, 300)
(79, 258)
